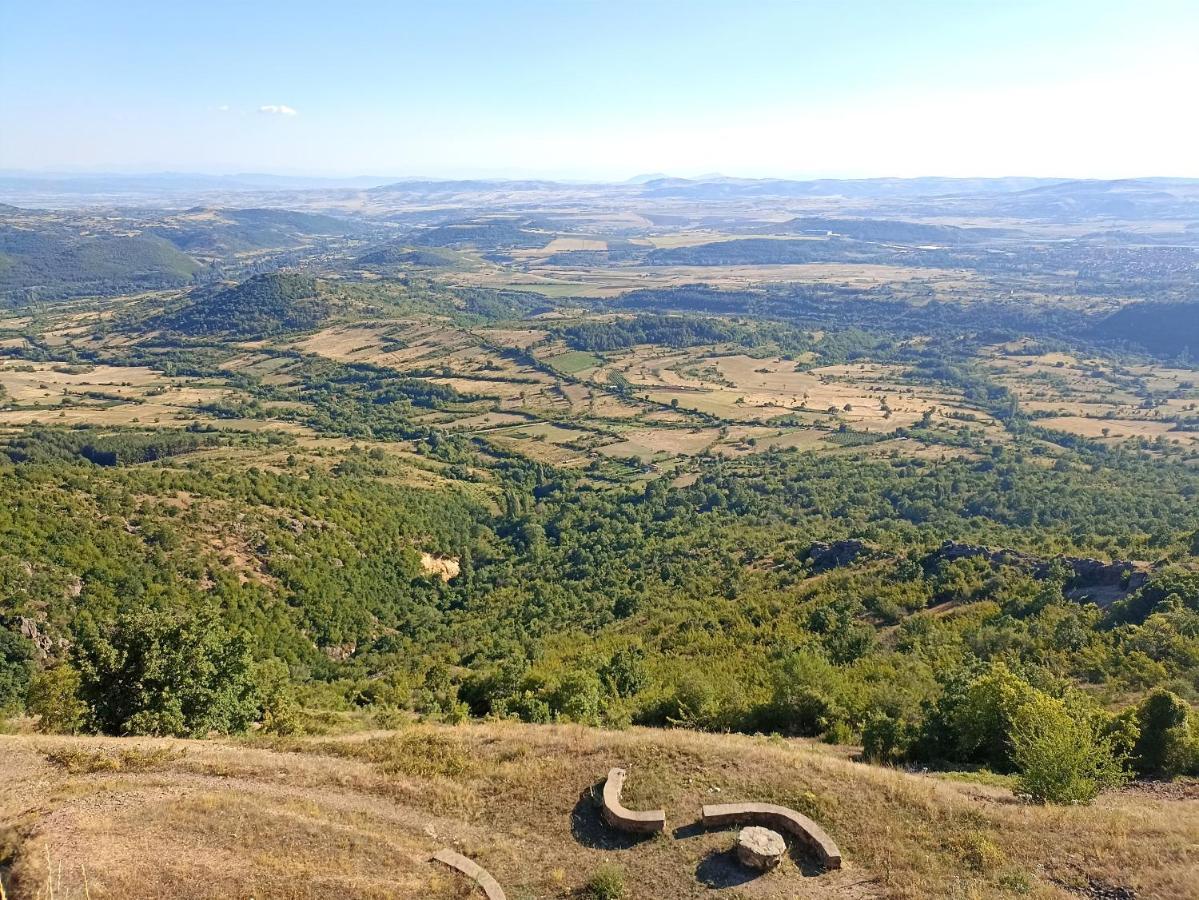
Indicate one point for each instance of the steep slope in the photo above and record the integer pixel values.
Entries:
(1165, 329)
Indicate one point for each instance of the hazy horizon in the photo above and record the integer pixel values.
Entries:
(535, 175)
(602, 92)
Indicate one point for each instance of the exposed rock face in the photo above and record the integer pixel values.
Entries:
(44, 644)
(340, 652)
(839, 553)
(1086, 572)
(760, 848)
(445, 567)
(1091, 579)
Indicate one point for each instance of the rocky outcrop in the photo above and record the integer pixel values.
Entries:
(1087, 578)
(825, 556)
(1086, 572)
(44, 645)
(444, 567)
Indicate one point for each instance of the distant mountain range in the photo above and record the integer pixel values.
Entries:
(115, 183)
(1047, 199)
(724, 187)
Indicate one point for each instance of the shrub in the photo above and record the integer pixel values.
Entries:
(80, 761)
(607, 883)
(808, 693)
(280, 714)
(838, 733)
(1123, 731)
(54, 699)
(981, 719)
(1059, 756)
(1166, 746)
(887, 739)
(525, 706)
(577, 697)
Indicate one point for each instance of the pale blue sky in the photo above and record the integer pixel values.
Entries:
(602, 89)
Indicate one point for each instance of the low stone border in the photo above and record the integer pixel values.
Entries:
(779, 818)
(473, 871)
(644, 822)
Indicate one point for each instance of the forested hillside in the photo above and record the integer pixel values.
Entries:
(261, 305)
(36, 264)
(1168, 329)
(945, 517)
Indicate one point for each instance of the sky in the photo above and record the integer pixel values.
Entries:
(602, 90)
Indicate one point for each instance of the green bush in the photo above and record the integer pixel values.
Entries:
(1058, 754)
(54, 699)
(577, 697)
(280, 714)
(1167, 745)
(982, 719)
(808, 691)
(887, 739)
(607, 883)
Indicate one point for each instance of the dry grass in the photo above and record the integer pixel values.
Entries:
(358, 816)
(81, 760)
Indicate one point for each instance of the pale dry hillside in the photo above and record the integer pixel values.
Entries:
(359, 816)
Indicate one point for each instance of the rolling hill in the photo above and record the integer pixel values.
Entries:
(400, 255)
(485, 235)
(50, 263)
(890, 230)
(225, 231)
(259, 306)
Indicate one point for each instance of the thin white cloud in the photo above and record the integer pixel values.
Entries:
(224, 107)
(273, 109)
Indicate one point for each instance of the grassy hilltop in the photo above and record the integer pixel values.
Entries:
(359, 815)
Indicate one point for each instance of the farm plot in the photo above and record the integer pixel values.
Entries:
(58, 394)
(648, 444)
(741, 388)
(1121, 429)
(547, 442)
(1098, 399)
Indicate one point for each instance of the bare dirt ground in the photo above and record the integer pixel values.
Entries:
(359, 816)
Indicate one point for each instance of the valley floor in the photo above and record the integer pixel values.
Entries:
(360, 815)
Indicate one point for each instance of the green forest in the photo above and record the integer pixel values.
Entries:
(652, 514)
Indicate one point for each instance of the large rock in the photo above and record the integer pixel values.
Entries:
(825, 556)
(1084, 572)
(760, 848)
(43, 643)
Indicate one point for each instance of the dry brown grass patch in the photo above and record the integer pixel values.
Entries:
(83, 761)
